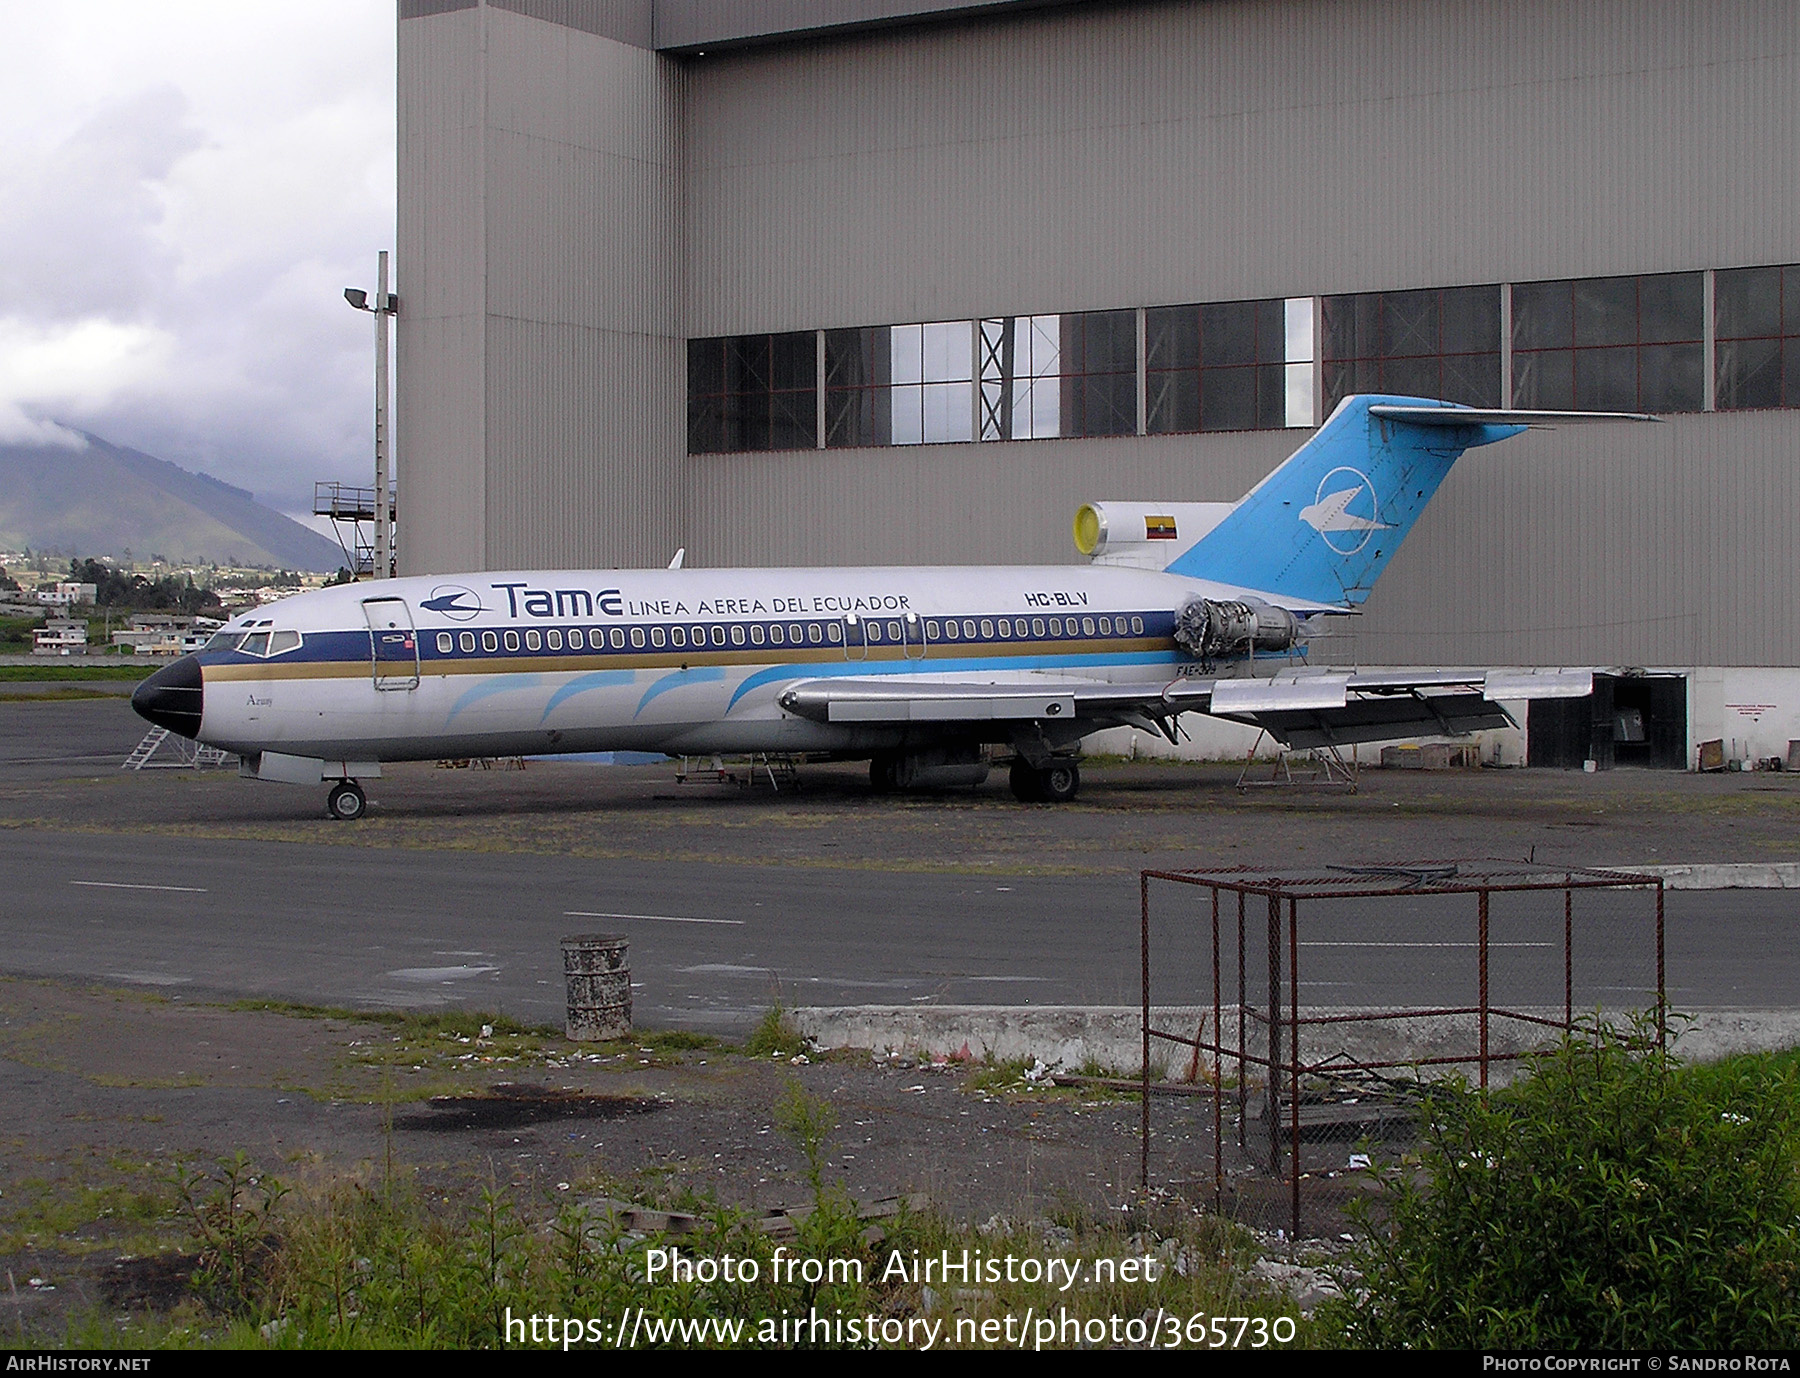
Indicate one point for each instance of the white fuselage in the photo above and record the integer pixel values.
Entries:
(680, 661)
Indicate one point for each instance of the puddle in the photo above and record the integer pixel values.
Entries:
(513, 1107)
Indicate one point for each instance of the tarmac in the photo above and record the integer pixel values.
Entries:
(161, 930)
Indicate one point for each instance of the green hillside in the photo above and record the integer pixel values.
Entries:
(106, 499)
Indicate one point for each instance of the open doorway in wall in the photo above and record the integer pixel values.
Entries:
(1629, 720)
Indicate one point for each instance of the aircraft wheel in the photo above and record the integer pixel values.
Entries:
(346, 801)
(1027, 782)
(1061, 781)
(884, 772)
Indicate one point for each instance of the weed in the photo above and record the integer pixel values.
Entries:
(809, 1122)
(230, 1212)
(1614, 1199)
(775, 1034)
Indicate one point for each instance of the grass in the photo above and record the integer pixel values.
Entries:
(377, 1260)
(56, 670)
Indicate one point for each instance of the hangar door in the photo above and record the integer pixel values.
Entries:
(1629, 720)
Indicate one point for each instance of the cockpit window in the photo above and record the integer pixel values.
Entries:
(256, 644)
(224, 641)
(280, 643)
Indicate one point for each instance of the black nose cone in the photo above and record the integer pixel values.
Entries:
(173, 697)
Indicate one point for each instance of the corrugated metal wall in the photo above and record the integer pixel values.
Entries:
(543, 368)
(1078, 158)
(587, 368)
(1127, 155)
(441, 277)
(1117, 156)
(1630, 545)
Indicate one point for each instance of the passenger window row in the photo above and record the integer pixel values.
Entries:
(1033, 628)
(677, 638)
(728, 635)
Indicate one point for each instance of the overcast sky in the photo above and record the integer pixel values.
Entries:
(186, 188)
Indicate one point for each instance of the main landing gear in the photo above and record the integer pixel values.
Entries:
(1056, 783)
(346, 802)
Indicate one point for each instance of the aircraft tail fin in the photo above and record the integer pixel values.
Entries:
(1322, 527)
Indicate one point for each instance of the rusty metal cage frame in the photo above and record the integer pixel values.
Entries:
(1482, 879)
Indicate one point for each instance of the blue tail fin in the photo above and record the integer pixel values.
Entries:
(1323, 526)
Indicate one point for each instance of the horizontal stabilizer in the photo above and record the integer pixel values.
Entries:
(1497, 416)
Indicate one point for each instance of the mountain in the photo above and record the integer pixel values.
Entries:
(105, 499)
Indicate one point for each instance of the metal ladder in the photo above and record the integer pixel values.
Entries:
(188, 755)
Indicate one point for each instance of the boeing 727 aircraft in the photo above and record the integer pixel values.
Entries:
(1187, 607)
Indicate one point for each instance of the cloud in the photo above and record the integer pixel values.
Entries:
(185, 190)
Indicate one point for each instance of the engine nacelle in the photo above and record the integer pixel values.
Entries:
(1144, 535)
(1212, 629)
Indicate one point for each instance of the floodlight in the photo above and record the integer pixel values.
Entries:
(357, 298)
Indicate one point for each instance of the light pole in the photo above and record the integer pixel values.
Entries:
(385, 306)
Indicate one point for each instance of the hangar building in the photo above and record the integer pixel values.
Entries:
(894, 281)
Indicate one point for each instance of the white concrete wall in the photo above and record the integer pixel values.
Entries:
(1755, 711)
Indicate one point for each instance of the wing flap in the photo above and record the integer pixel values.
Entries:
(904, 701)
(1379, 720)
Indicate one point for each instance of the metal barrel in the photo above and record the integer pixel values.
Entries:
(599, 987)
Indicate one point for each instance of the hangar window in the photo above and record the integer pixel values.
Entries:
(858, 406)
(1757, 317)
(931, 400)
(534, 640)
(467, 641)
(753, 392)
(445, 643)
(1599, 344)
(490, 642)
(1219, 366)
(1438, 342)
(509, 639)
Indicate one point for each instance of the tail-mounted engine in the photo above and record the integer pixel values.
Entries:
(1216, 630)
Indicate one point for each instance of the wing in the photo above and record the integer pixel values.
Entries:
(1300, 709)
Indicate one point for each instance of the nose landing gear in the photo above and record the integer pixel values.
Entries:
(346, 802)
